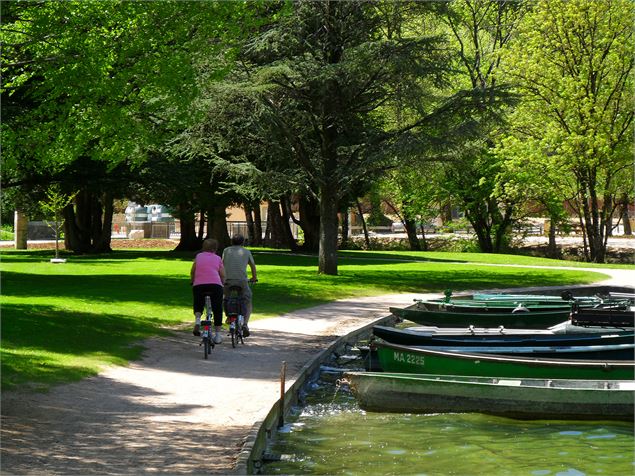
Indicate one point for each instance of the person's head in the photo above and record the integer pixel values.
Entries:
(210, 244)
(238, 240)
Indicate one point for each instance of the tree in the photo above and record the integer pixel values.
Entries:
(326, 69)
(54, 205)
(233, 139)
(472, 181)
(573, 62)
(412, 193)
(481, 31)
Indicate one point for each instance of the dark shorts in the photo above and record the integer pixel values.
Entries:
(216, 293)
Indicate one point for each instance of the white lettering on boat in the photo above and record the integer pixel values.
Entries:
(409, 358)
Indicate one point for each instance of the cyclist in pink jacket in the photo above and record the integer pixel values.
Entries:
(208, 276)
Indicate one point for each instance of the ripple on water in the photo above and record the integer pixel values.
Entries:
(570, 472)
(608, 436)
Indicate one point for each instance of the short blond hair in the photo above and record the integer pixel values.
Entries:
(210, 244)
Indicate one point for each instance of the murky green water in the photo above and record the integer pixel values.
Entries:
(332, 435)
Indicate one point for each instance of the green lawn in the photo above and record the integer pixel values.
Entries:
(63, 322)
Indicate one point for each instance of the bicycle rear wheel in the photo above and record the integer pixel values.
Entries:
(207, 348)
(233, 332)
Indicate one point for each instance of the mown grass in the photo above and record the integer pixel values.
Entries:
(63, 322)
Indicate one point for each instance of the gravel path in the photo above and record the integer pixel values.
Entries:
(173, 412)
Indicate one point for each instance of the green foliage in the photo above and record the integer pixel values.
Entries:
(6, 232)
(105, 82)
(55, 201)
(573, 62)
(480, 33)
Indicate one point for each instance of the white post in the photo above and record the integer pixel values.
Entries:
(20, 225)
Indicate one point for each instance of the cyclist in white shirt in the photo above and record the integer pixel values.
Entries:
(236, 258)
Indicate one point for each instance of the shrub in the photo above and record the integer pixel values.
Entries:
(6, 233)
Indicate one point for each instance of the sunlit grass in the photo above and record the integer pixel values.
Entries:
(62, 322)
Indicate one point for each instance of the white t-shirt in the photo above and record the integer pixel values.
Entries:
(235, 260)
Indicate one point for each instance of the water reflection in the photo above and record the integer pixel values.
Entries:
(331, 435)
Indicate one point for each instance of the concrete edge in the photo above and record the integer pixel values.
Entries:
(250, 457)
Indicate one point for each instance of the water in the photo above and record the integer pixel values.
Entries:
(332, 435)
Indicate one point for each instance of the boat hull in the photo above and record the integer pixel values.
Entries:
(397, 358)
(519, 320)
(501, 338)
(584, 352)
(515, 398)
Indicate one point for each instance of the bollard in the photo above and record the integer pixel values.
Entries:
(283, 372)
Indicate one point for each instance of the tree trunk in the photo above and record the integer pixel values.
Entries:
(424, 240)
(363, 221)
(446, 213)
(268, 226)
(310, 223)
(249, 218)
(189, 240)
(624, 215)
(103, 232)
(591, 222)
(279, 233)
(327, 256)
(482, 230)
(502, 230)
(201, 225)
(285, 223)
(257, 225)
(217, 225)
(411, 230)
(552, 247)
(88, 223)
(345, 226)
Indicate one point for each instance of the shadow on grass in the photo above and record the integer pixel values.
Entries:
(438, 278)
(374, 258)
(150, 289)
(39, 344)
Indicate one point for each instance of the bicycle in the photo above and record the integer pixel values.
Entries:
(207, 340)
(235, 308)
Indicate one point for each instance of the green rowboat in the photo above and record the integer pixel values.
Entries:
(404, 359)
(515, 398)
(518, 320)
